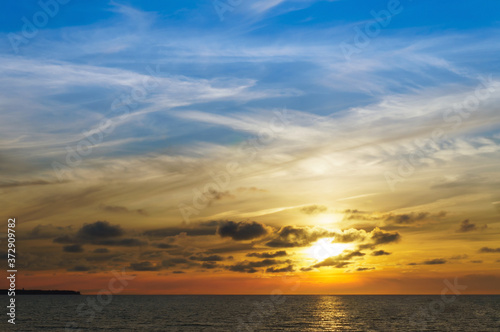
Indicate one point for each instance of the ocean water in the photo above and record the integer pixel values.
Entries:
(254, 313)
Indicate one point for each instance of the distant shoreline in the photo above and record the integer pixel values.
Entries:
(40, 292)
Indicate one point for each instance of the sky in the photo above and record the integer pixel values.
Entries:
(249, 147)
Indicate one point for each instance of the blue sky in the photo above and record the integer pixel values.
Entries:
(262, 55)
(461, 15)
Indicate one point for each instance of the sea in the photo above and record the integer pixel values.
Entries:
(254, 313)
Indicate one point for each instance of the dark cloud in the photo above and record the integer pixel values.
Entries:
(209, 265)
(100, 233)
(99, 230)
(47, 232)
(211, 258)
(242, 268)
(127, 242)
(178, 272)
(380, 253)
(351, 254)
(251, 267)
(382, 237)
(313, 209)
(101, 251)
(341, 260)
(289, 268)
(436, 261)
(476, 262)
(364, 246)
(163, 245)
(467, 226)
(266, 262)
(360, 269)
(173, 262)
(291, 236)
(241, 231)
(115, 257)
(350, 235)
(151, 254)
(74, 248)
(232, 247)
(280, 253)
(407, 218)
(79, 268)
(332, 262)
(144, 266)
(489, 250)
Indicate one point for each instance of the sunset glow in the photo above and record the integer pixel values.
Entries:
(305, 147)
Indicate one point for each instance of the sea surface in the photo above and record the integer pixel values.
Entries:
(254, 313)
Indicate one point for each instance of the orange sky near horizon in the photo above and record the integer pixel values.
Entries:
(147, 283)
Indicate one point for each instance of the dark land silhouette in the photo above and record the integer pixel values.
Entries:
(40, 292)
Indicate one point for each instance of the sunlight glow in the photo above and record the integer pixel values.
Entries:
(325, 219)
(324, 248)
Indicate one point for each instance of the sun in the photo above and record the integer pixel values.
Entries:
(324, 248)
